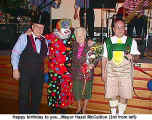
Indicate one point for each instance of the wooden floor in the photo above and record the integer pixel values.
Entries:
(9, 106)
(97, 105)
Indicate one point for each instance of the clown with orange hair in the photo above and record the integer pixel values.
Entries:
(59, 65)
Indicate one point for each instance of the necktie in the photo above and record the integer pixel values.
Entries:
(118, 55)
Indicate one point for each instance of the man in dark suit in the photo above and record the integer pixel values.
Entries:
(27, 62)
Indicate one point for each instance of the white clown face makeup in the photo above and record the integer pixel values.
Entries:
(65, 31)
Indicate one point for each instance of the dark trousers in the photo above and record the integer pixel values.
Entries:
(30, 90)
(89, 21)
(140, 25)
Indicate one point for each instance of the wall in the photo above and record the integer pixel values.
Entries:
(66, 10)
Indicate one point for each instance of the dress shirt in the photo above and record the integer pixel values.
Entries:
(20, 46)
(114, 39)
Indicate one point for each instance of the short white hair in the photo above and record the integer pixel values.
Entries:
(80, 29)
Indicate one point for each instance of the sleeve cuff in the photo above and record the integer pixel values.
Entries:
(15, 68)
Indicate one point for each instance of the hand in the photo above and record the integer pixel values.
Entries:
(29, 31)
(135, 58)
(104, 77)
(90, 66)
(124, 17)
(75, 15)
(16, 74)
(129, 56)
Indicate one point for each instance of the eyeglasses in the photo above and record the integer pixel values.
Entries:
(120, 27)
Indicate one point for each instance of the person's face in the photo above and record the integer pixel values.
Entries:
(65, 31)
(80, 36)
(38, 29)
(119, 28)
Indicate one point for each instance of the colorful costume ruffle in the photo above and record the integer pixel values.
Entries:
(60, 80)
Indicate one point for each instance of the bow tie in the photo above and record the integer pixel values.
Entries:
(38, 38)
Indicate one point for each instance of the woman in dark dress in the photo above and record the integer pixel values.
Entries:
(80, 49)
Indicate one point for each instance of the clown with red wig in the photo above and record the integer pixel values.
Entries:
(60, 56)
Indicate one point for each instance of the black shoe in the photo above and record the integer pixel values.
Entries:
(80, 112)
